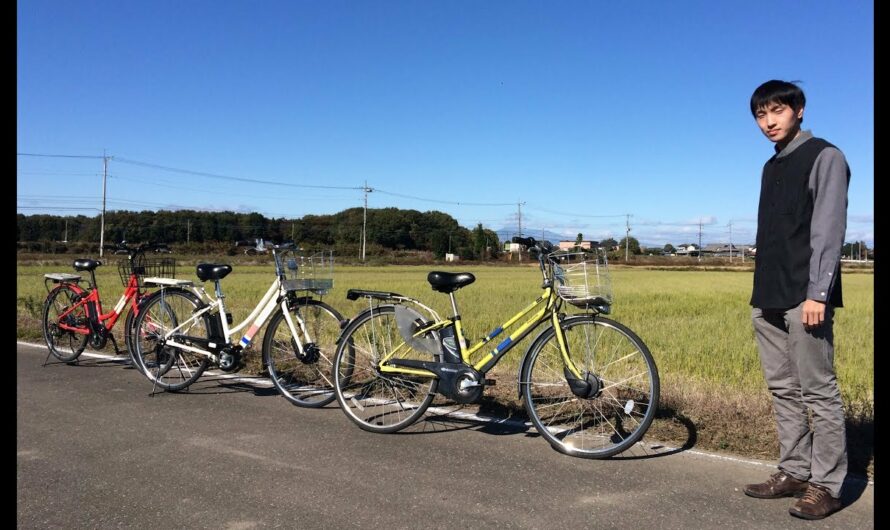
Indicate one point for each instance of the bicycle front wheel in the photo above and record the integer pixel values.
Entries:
(304, 379)
(374, 400)
(167, 366)
(613, 403)
(59, 310)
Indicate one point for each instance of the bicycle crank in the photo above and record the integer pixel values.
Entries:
(230, 359)
(99, 337)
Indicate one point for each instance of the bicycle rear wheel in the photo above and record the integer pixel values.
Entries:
(169, 367)
(377, 401)
(613, 403)
(303, 379)
(65, 345)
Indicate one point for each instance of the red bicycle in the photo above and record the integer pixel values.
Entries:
(73, 315)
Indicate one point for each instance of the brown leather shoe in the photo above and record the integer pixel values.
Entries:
(816, 503)
(780, 484)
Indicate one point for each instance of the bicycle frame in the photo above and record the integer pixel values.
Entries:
(276, 296)
(549, 305)
(93, 303)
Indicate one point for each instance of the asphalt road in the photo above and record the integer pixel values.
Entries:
(95, 450)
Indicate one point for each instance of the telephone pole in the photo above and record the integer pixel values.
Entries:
(367, 190)
(699, 239)
(188, 230)
(627, 238)
(730, 241)
(519, 207)
(102, 222)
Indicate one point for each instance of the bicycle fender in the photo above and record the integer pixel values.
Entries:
(538, 338)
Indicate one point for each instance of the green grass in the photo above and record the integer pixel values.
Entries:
(696, 323)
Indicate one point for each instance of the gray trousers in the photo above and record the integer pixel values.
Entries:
(798, 365)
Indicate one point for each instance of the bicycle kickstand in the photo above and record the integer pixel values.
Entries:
(117, 350)
(48, 353)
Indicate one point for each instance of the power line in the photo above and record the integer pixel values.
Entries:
(456, 203)
(227, 177)
(575, 214)
(59, 156)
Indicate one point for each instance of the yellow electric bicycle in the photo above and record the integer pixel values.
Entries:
(589, 384)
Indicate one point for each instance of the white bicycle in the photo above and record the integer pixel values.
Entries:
(181, 330)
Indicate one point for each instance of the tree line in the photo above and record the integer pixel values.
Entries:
(387, 229)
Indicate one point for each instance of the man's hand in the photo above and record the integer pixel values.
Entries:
(813, 313)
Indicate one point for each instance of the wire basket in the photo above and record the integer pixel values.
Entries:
(582, 278)
(142, 267)
(308, 270)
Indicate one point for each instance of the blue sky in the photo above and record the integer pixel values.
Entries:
(583, 112)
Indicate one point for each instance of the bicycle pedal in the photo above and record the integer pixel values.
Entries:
(490, 382)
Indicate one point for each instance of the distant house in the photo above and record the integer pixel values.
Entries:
(687, 250)
(512, 247)
(571, 245)
(452, 257)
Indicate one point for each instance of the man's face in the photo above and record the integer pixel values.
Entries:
(778, 121)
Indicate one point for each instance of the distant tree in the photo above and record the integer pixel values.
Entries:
(609, 243)
(578, 241)
(669, 249)
(632, 244)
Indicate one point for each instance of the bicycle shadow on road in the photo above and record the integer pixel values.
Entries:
(83, 361)
(495, 418)
(655, 449)
(224, 384)
(488, 416)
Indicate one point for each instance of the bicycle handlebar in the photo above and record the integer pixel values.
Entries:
(132, 251)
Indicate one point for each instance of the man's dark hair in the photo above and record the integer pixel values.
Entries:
(777, 91)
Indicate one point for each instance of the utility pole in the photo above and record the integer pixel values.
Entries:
(188, 230)
(519, 207)
(699, 239)
(102, 222)
(65, 239)
(367, 190)
(627, 238)
(730, 241)
(292, 231)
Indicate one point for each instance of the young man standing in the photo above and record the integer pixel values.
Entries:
(801, 223)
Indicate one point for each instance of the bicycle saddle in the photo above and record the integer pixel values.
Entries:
(446, 282)
(86, 264)
(212, 271)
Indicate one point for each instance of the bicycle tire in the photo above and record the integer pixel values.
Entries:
(375, 401)
(613, 419)
(59, 300)
(129, 332)
(170, 368)
(305, 380)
